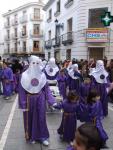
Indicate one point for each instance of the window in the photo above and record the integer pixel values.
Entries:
(16, 47)
(58, 6)
(68, 54)
(24, 46)
(50, 14)
(24, 30)
(36, 29)
(8, 48)
(36, 13)
(8, 21)
(8, 34)
(16, 18)
(16, 34)
(49, 34)
(95, 17)
(36, 45)
(70, 25)
(24, 12)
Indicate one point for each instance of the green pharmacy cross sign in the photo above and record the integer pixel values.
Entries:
(107, 19)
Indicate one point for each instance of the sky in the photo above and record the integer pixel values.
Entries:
(6, 5)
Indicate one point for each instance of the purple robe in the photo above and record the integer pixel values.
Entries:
(74, 84)
(7, 81)
(95, 116)
(35, 118)
(70, 148)
(101, 88)
(84, 90)
(62, 83)
(69, 120)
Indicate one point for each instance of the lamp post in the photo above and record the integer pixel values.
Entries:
(57, 29)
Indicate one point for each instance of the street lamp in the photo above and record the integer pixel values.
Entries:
(59, 25)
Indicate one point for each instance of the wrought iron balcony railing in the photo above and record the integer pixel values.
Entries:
(56, 41)
(67, 39)
(48, 44)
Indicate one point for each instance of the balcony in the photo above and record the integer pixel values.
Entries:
(57, 13)
(36, 17)
(68, 3)
(14, 36)
(14, 50)
(14, 22)
(7, 25)
(7, 38)
(48, 44)
(49, 20)
(36, 34)
(67, 39)
(56, 42)
(24, 19)
(23, 34)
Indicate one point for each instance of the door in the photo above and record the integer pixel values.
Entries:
(68, 54)
(57, 55)
(96, 52)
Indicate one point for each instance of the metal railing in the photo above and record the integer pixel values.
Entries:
(48, 44)
(56, 41)
(67, 38)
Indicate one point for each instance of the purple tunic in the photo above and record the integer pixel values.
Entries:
(62, 83)
(35, 118)
(69, 120)
(101, 88)
(7, 79)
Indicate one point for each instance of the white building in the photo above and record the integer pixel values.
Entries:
(23, 30)
(1, 43)
(78, 31)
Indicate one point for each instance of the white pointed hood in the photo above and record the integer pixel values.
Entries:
(51, 68)
(33, 79)
(99, 73)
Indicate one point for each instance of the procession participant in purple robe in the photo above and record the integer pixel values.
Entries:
(87, 138)
(74, 79)
(62, 83)
(85, 88)
(100, 81)
(7, 81)
(51, 70)
(69, 120)
(96, 112)
(34, 92)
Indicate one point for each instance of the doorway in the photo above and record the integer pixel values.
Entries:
(96, 52)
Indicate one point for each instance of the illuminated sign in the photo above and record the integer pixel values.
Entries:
(97, 35)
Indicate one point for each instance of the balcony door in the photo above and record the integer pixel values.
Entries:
(36, 29)
(68, 54)
(70, 25)
(36, 13)
(35, 46)
(24, 46)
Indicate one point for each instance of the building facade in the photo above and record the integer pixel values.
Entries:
(23, 30)
(74, 29)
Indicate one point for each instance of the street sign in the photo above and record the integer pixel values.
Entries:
(107, 19)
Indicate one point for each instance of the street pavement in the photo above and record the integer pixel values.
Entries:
(15, 138)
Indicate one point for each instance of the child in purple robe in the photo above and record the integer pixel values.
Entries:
(87, 138)
(85, 88)
(94, 112)
(62, 83)
(69, 120)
